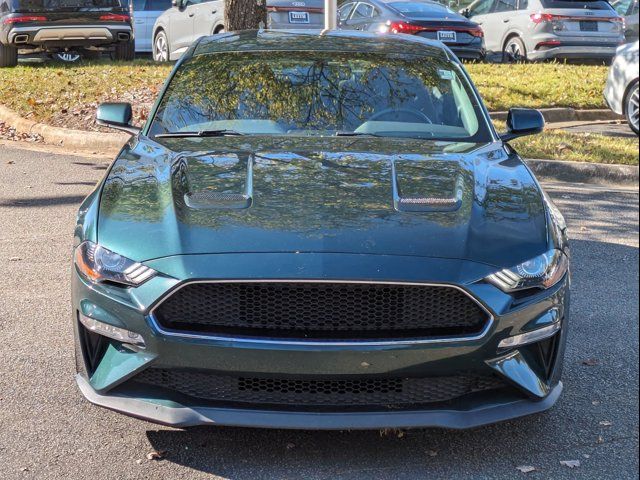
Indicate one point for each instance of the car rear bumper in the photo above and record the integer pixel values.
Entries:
(489, 411)
(574, 52)
(467, 53)
(69, 36)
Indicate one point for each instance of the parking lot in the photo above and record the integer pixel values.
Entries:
(47, 431)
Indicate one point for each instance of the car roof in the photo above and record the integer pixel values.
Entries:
(315, 40)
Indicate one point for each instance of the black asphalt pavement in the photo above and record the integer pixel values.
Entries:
(47, 431)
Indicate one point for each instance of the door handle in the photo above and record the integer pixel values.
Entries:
(214, 12)
(506, 20)
(191, 15)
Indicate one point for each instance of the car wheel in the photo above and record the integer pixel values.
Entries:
(8, 56)
(161, 47)
(514, 51)
(125, 52)
(631, 107)
(67, 57)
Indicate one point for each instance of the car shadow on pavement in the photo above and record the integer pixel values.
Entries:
(602, 290)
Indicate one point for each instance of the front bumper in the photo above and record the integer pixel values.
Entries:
(112, 383)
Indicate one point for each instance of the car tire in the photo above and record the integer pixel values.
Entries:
(161, 47)
(8, 56)
(125, 52)
(631, 109)
(514, 51)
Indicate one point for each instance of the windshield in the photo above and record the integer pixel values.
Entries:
(581, 4)
(322, 93)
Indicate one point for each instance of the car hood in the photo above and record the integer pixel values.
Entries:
(365, 196)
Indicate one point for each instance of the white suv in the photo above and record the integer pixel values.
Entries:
(521, 30)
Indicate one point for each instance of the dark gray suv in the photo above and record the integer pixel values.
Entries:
(88, 27)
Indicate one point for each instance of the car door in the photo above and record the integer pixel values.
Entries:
(209, 16)
(360, 19)
(140, 25)
(480, 12)
(152, 9)
(498, 23)
(181, 29)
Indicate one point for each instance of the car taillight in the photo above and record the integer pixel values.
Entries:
(538, 18)
(403, 27)
(113, 17)
(476, 32)
(24, 19)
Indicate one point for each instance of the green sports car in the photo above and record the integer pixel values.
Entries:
(320, 230)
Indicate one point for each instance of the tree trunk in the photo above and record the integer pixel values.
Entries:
(245, 14)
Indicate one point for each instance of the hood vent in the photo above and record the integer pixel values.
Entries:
(450, 203)
(210, 199)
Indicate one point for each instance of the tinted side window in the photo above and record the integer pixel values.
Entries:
(482, 7)
(523, 4)
(138, 5)
(505, 6)
(363, 10)
(345, 10)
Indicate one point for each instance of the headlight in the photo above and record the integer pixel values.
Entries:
(98, 264)
(541, 272)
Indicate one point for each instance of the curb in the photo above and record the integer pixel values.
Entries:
(558, 115)
(583, 172)
(63, 136)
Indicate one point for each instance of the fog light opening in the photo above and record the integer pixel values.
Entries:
(127, 337)
(530, 337)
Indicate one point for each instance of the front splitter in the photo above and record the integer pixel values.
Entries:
(450, 418)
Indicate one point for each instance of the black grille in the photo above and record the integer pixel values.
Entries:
(321, 310)
(357, 392)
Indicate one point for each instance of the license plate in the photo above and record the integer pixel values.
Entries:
(447, 36)
(588, 26)
(299, 17)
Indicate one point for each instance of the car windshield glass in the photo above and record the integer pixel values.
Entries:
(322, 94)
(40, 5)
(418, 9)
(581, 4)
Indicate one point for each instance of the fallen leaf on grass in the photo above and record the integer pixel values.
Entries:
(526, 468)
(570, 463)
(606, 423)
(155, 455)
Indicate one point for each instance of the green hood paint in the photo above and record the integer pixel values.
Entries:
(320, 195)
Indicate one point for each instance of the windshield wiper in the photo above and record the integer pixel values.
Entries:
(201, 134)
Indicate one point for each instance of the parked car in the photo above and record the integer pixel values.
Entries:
(629, 10)
(621, 91)
(520, 30)
(145, 14)
(88, 27)
(320, 231)
(415, 17)
(177, 28)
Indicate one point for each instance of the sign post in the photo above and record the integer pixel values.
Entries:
(330, 14)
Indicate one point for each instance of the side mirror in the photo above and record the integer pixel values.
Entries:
(465, 12)
(118, 116)
(522, 122)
